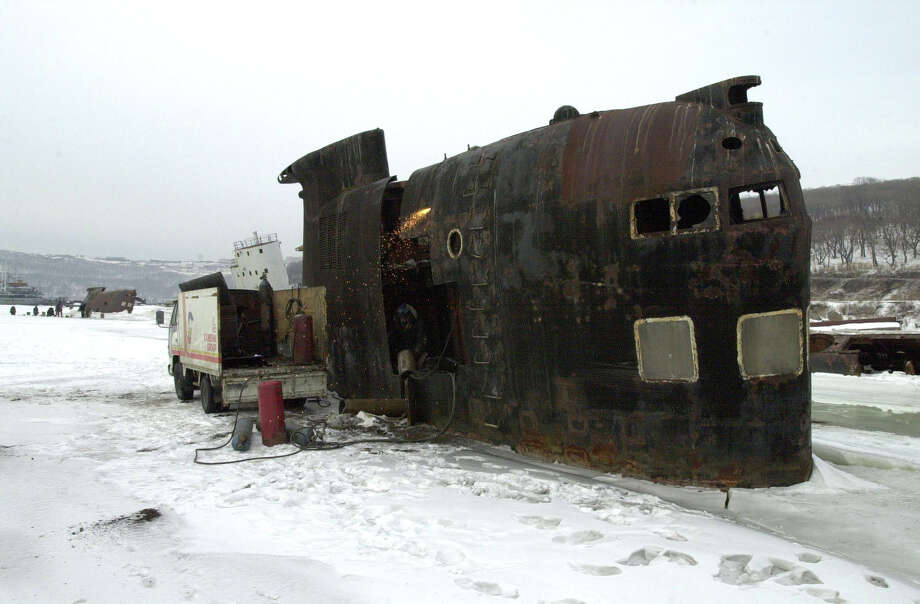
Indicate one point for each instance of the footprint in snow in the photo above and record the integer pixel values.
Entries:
(877, 581)
(680, 558)
(799, 576)
(449, 557)
(744, 569)
(579, 537)
(642, 557)
(144, 574)
(540, 522)
(738, 569)
(597, 571)
(487, 588)
(828, 595)
(671, 535)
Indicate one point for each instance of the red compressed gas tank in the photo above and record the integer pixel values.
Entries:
(271, 413)
(303, 339)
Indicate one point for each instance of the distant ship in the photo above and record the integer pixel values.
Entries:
(253, 257)
(16, 291)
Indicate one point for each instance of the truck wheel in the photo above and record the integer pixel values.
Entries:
(184, 389)
(210, 396)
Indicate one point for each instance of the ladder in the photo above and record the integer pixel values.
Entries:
(487, 353)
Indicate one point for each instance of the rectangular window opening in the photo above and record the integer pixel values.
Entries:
(696, 210)
(652, 216)
(681, 212)
(757, 202)
(666, 349)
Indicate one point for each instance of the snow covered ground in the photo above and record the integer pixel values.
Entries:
(101, 503)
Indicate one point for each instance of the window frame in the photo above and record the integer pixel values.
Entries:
(785, 207)
(694, 355)
(711, 194)
(796, 311)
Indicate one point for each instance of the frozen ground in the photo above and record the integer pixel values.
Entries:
(101, 503)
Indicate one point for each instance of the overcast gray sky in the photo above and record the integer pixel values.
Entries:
(156, 129)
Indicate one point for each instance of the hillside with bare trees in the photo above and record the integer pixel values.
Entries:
(865, 247)
(869, 225)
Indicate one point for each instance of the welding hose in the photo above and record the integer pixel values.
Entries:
(335, 445)
(236, 420)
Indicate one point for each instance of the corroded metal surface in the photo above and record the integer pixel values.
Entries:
(99, 300)
(843, 362)
(343, 190)
(849, 353)
(528, 260)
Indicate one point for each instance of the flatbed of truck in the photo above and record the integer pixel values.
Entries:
(240, 384)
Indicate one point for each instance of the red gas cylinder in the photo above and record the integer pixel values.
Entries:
(303, 339)
(271, 413)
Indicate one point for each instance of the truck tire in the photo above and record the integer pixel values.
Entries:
(184, 389)
(210, 396)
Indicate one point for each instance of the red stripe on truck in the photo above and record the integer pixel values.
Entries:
(197, 355)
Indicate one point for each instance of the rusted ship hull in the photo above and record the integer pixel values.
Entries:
(101, 301)
(849, 352)
(604, 297)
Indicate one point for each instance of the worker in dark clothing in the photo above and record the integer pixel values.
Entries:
(409, 339)
(59, 309)
(12, 310)
(35, 311)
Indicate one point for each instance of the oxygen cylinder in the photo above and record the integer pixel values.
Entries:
(303, 339)
(242, 434)
(405, 361)
(271, 413)
(266, 316)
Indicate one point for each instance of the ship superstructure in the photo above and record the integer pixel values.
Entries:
(14, 290)
(252, 257)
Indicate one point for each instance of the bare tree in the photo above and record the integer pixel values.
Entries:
(891, 236)
(909, 223)
(874, 218)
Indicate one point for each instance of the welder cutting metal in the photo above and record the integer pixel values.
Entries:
(409, 338)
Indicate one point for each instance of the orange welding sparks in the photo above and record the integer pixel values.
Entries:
(413, 219)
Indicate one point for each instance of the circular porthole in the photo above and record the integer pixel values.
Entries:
(454, 243)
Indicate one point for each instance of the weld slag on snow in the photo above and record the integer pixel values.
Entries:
(138, 517)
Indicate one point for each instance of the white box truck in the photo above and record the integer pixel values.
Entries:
(224, 342)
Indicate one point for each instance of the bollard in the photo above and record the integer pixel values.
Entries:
(271, 413)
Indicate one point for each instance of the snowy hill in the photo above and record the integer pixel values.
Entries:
(867, 294)
(65, 276)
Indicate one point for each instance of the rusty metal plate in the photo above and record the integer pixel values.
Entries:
(102, 301)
